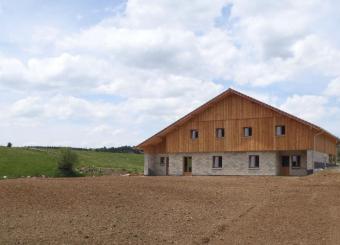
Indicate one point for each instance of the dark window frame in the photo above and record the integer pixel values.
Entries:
(257, 162)
(298, 161)
(163, 161)
(220, 162)
(223, 133)
(250, 131)
(196, 134)
(283, 130)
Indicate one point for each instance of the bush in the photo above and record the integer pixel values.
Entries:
(67, 161)
(9, 144)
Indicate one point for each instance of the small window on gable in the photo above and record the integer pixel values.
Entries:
(217, 162)
(194, 134)
(280, 130)
(296, 161)
(254, 161)
(247, 132)
(220, 133)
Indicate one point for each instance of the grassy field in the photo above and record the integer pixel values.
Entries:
(17, 162)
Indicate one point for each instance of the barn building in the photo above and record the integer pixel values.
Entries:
(234, 134)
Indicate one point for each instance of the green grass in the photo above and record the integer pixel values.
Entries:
(17, 162)
(132, 163)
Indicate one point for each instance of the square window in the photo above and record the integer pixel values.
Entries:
(220, 133)
(247, 131)
(296, 161)
(194, 134)
(280, 130)
(254, 161)
(217, 162)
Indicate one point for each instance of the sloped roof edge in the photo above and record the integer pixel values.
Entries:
(216, 99)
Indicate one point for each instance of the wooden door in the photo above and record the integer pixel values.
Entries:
(285, 165)
(187, 166)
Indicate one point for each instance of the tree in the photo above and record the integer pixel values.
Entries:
(68, 159)
(9, 144)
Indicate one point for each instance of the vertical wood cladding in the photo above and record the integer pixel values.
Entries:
(233, 114)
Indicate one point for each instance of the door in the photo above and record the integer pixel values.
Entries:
(167, 166)
(187, 166)
(285, 165)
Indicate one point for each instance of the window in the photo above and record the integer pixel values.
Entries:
(194, 134)
(280, 130)
(247, 132)
(220, 133)
(162, 161)
(254, 161)
(217, 162)
(296, 161)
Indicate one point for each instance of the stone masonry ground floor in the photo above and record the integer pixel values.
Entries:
(295, 163)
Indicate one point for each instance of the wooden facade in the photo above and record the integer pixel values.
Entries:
(233, 111)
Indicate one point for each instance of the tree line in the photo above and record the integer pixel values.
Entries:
(120, 149)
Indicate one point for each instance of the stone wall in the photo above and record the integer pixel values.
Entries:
(233, 164)
(314, 156)
(176, 164)
(152, 165)
(147, 160)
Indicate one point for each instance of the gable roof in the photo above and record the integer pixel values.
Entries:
(157, 138)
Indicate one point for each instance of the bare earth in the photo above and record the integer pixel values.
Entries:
(171, 210)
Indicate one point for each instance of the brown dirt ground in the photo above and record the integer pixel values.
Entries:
(171, 210)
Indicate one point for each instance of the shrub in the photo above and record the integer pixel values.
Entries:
(9, 144)
(68, 159)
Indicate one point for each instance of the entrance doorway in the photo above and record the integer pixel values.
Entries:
(187, 166)
(285, 165)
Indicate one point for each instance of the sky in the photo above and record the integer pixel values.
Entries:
(96, 73)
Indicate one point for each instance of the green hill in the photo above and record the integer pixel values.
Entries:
(17, 162)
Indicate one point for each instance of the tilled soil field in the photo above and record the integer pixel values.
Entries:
(171, 210)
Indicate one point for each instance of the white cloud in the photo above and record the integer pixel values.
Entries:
(194, 15)
(270, 28)
(281, 40)
(310, 107)
(166, 50)
(64, 71)
(11, 70)
(157, 60)
(156, 85)
(57, 108)
(333, 88)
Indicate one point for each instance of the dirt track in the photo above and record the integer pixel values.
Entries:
(171, 210)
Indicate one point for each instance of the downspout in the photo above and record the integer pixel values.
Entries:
(314, 147)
